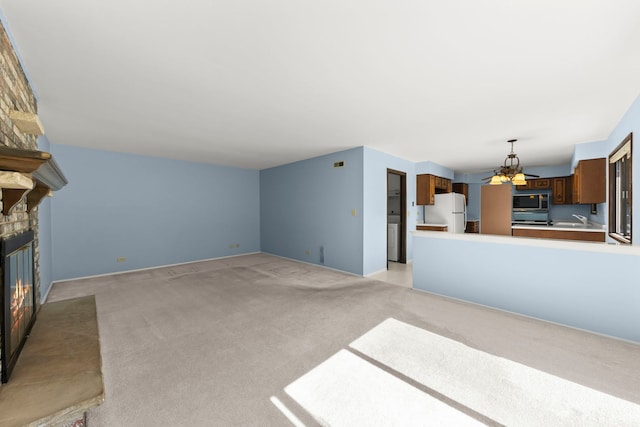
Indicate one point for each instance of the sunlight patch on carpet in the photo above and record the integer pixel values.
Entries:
(286, 412)
(346, 390)
(505, 391)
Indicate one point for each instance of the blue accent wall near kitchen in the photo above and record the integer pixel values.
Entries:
(434, 169)
(574, 286)
(312, 211)
(375, 207)
(151, 211)
(588, 150)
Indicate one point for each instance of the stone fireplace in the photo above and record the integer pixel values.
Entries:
(26, 177)
(15, 93)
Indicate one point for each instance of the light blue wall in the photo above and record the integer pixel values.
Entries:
(567, 212)
(589, 150)
(473, 205)
(434, 169)
(44, 233)
(550, 171)
(307, 205)
(588, 290)
(152, 211)
(375, 207)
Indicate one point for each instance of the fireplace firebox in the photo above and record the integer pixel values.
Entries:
(18, 297)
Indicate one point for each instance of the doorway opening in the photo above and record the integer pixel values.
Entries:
(396, 217)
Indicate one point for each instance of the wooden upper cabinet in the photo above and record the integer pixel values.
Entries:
(443, 185)
(535, 184)
(427, 186)
(462, 188)
(425, 189)
(562, 190)
(541, 184)
(589, 181)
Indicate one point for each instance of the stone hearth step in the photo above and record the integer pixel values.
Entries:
(58, 376)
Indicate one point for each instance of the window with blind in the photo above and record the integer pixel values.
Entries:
(620, 192)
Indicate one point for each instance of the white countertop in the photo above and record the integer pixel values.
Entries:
(548, 243)
(430, 224)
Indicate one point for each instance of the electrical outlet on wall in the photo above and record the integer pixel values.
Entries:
(121, 259)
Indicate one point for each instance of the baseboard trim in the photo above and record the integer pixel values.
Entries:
(43, 298)
(204, 260)
(316, 265)
(386, 269)
(528, 316)
(149, 268)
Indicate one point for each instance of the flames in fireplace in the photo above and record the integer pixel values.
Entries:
(21, 309)
(17, 302)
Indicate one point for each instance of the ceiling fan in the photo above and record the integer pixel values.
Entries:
(510, 171)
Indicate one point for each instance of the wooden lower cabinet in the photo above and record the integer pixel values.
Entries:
(432, 227)
(472, 227)
(585, 236)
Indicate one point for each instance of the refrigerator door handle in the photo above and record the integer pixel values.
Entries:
(464, 205)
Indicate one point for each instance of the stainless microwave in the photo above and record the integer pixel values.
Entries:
(531, 202)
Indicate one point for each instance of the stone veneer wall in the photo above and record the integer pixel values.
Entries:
(16, 94)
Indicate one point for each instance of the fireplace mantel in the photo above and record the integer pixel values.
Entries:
(40, 165)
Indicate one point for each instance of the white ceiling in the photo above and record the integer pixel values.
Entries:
(255, 83)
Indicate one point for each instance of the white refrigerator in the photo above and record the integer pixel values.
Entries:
(449, 209)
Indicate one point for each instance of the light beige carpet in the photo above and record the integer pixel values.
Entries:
(210, 343)
(504, 391)
(347, 391)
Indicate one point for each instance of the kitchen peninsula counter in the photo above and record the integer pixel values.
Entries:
(584, 285)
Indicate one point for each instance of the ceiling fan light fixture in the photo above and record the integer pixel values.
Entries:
(519, 179)
(510, 171)
(496, 180)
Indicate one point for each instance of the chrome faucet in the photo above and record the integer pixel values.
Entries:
(582, 218)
